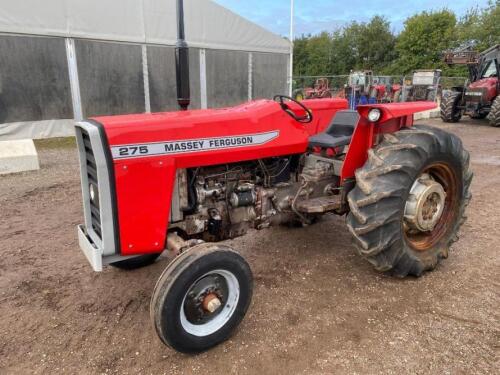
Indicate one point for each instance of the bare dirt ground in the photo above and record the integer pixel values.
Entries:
(317, 308)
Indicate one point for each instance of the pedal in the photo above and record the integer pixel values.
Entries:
(319, 205)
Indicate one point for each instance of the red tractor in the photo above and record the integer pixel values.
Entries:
(320, 90)
(180, 182)
(478, 99)
(387, 91)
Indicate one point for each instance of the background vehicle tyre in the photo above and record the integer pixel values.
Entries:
(201, 297)
(409, 200)
(137, 262)
(494, 115)
(449, 110)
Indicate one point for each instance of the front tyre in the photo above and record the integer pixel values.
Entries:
(410, 200)
(449, 107)
(494, 115)
(201, 297)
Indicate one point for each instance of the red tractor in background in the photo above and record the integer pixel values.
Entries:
(387, 90)
(320, 90)
(479, 98)
(180, 182)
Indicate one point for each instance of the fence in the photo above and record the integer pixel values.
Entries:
(338, 82)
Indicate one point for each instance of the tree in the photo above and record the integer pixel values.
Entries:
(480, 26)
(424, 39)
(421, 44)
(375, 44)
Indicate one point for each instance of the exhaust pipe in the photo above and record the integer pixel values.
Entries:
(182, 61)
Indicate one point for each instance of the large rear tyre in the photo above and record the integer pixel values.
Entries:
(494, 115)
(449, 107)
(410, 200)
(201, 297)
(136, 262)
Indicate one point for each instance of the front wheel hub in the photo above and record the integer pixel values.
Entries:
(425, 204)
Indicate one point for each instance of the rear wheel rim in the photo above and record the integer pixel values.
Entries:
(420, 240)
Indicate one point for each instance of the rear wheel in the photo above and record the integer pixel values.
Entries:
(494, 115)
(410, 200)
(449, 107)
(201, 297)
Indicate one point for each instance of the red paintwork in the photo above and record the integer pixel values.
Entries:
(491, 85)
(144, 185)
(394, 117)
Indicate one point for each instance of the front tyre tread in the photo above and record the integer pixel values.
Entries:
(174, 283)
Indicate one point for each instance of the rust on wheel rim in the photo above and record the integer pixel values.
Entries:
(444, 175)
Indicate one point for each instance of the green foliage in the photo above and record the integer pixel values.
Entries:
(423, 40)
(420, 45)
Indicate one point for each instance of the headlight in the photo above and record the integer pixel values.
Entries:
(92, 193)
(374, 115)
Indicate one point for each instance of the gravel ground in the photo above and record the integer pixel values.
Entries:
(317, 308)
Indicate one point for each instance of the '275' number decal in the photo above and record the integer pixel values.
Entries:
(133, 150)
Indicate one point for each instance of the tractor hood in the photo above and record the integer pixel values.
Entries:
(485, 88)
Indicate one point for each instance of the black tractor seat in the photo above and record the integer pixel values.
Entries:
(338, 133)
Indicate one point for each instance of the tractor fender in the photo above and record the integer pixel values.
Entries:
(393, 117)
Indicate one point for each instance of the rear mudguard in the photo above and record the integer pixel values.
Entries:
(394, 116)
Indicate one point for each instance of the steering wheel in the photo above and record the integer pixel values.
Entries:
(307, 118)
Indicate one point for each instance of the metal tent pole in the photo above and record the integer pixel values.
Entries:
(290, 79)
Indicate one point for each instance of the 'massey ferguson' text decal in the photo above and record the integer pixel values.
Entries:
(192, 145)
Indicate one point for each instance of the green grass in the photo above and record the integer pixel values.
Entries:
(55, 143)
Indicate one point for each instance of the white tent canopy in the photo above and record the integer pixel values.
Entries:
(208, 25)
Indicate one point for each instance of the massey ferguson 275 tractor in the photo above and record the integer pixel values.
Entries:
(181, 181)
(480, 98)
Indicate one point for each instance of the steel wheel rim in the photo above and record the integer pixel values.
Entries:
(446, 177)
(226, 310)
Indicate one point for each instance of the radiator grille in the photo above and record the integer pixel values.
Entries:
(91, 168)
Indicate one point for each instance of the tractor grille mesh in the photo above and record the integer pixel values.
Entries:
(91, 168)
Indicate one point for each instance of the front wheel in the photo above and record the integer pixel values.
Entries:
(410, 200)
(449, 107)
(201, 297)
(494, 115)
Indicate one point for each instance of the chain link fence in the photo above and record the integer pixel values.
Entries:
(335, 84)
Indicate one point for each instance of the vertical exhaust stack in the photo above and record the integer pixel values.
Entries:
(182, 61)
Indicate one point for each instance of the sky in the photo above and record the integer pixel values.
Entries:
(314, 16)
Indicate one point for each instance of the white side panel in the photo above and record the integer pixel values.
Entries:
(105, 19)
(208, 25)
(34, 17)
(18, 156)
(37, 129)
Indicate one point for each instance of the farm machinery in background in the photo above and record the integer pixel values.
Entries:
(320, 90)
(423, 86)
(479, 97)
(364, 88)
